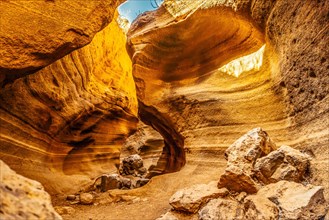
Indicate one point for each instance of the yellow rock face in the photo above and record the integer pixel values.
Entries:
(34, 34)
(69, 120)
(177, 62)
(178, 51)
(72, 116)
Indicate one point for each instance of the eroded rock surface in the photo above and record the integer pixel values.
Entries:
(218, 209)
(285, 163)
(49, 31)
(23, 198)
(241, 157)
(294, 200)
(70, 119)
(191, 199)
(177, 77)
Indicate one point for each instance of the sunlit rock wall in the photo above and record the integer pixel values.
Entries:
(68, 121)
(34, 34)
(178, 49)
(175, 64)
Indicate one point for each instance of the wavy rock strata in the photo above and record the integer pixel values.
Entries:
(70, 119)
(177, 52)
(49, 31)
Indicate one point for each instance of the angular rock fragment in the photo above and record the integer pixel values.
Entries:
(285, 163)
(112, 181)
(23, 198)
(133, 165)
(241, 196)
(126, 183)
(218, 209)
(294, 200)
(191, 199)
(260, 208)
(241, 156)
(235, 179)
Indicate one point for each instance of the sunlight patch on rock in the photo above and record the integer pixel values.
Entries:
(243, 64)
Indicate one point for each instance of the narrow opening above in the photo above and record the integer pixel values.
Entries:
(130, 9)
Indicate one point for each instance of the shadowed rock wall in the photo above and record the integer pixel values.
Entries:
(70, 119)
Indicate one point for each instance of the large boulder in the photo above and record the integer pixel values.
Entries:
(23, 198)
(241, 156)
(285, 163)
(192, 198)
(220, 208)
(294, 200)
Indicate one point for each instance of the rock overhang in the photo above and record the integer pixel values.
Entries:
(170, 48)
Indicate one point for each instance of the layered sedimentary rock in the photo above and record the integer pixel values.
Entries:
(36, 33)
(178, 51)
(176, 61)
(73, 116)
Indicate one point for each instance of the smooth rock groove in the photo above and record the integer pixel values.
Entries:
(69, 120)
(36, 33)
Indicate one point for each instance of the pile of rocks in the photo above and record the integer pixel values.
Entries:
(133, 165)
(260, 182)
(132, 175)
(116, 181)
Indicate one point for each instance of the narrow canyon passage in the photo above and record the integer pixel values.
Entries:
(178, 86)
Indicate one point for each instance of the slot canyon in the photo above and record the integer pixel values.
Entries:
(197, 109)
